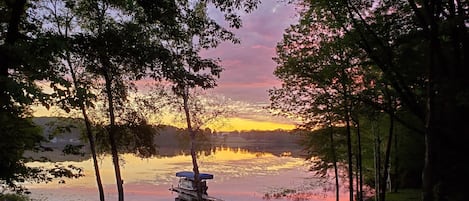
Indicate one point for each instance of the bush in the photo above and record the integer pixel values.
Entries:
(14, 197)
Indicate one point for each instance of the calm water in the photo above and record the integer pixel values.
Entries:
(239, 175)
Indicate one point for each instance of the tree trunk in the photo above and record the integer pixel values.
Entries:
(112, 132)
(17, 11)
(334, 160)
(195, 166)
(377, 159)
(430, 171)
(349, 153)
(89, 133)
(357, 170)
(108, 78)
(446, 131)
(359, 163)
(395, 176)
(90, 137)
(383, 186)
(347, 108)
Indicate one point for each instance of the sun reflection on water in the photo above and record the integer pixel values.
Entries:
(223, 162)
(239, 175)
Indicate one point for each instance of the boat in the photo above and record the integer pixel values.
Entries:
(187, 190)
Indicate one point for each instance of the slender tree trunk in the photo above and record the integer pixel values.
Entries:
(112, 132)
(108, 78)
(383, 186)
(334, 160)
(428, 173)
(93, 154)
(89, 133)
(357, 188)
(377, 143)
(195, 166)
(359, 163)
(347, 108)
(396, 166)
(349, 152)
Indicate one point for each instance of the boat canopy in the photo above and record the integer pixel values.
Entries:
(190, 175)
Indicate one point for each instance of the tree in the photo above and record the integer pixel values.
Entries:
(27, 55)
(319, 72)
(419, 48)
(116, 51)
(197, 31)
(80, 95)
(197, 114)
(129, 40)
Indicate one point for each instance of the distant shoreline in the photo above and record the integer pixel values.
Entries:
(171, 141)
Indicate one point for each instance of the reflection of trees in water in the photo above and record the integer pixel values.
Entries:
(175, 141)
(146, 141)
(178, 143)
(132, 138)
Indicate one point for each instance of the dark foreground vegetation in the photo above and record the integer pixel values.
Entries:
(86, 55)
(13, 197)
(381, 87)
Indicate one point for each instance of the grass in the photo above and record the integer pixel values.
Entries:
(404, 195)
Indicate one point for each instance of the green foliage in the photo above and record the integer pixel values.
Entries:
(131, 138)
(73, 149)
(13, 197)
(18, 135)
(408, 65)
(317, 144)
(115, 41)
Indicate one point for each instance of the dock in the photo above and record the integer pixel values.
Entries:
(192, 195)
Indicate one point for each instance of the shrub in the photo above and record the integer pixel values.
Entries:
(13, 197)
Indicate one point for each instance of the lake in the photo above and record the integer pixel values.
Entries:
(239, 175)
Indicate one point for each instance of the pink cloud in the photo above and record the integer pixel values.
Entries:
(249, 66)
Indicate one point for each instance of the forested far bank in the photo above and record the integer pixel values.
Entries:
(168, 140)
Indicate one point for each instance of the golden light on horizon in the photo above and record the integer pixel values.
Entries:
(252, 120)
(244, 124)
(231, 124)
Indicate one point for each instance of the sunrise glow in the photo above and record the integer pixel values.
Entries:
(241, 124)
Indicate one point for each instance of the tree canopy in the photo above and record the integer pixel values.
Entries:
(408, 55)
(92, 50)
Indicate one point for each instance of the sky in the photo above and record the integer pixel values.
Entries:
(248, 68)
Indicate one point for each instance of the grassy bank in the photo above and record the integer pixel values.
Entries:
(404, 195)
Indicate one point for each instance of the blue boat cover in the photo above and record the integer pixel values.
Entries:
(190, 175)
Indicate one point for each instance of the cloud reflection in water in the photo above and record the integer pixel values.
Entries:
(238, 173)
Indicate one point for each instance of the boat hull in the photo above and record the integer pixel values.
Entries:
(190, 195)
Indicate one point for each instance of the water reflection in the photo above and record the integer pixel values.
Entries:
(228, 162)
(239, 174)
